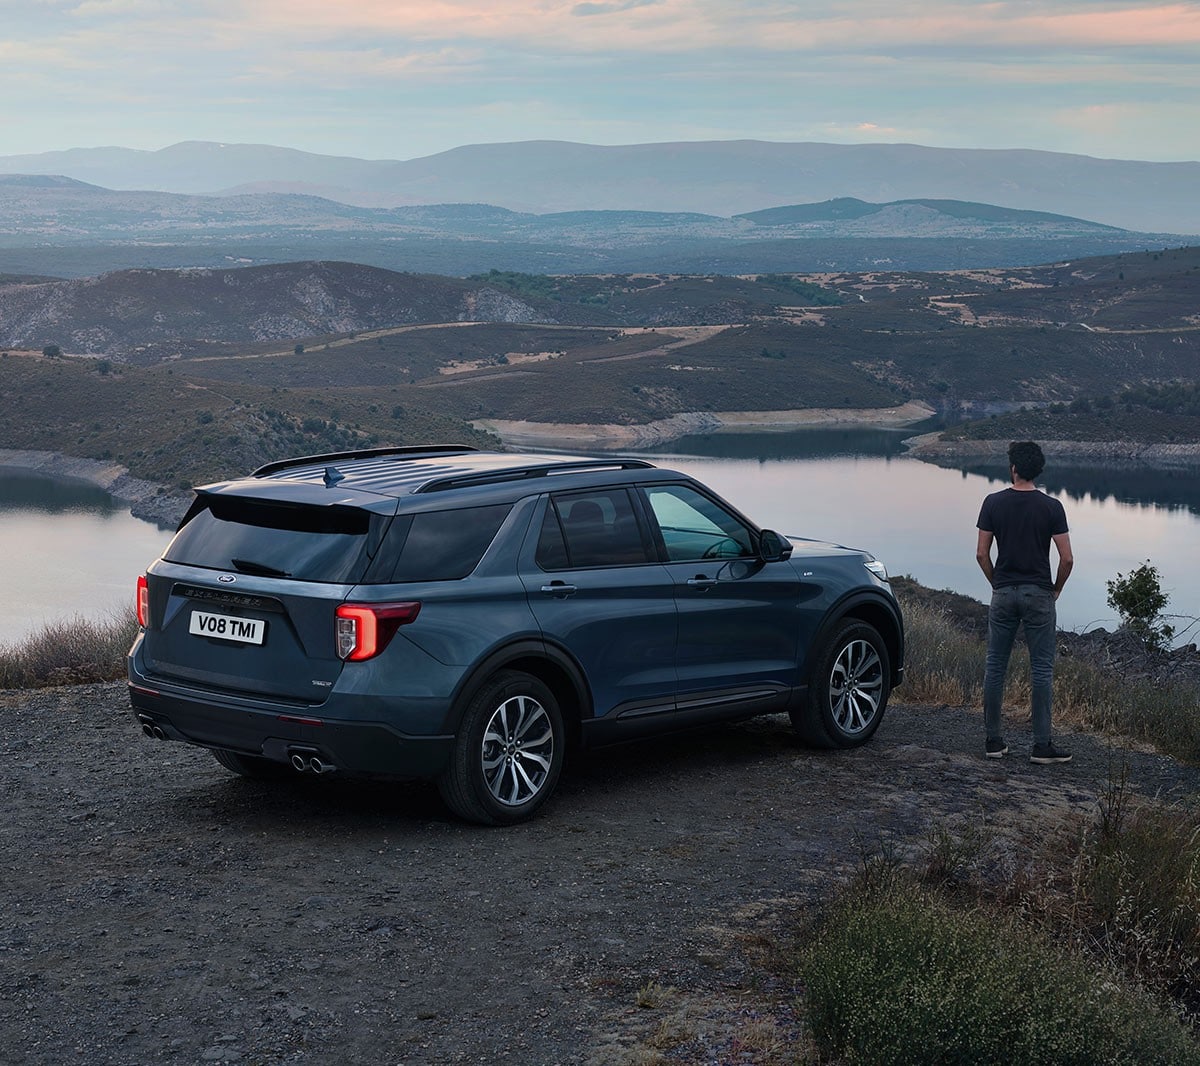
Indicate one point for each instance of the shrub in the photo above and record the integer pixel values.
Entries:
(70, 651)
(903, 977)
(1139, 599)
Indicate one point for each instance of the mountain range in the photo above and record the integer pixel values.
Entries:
(56, 225)
(721, 178)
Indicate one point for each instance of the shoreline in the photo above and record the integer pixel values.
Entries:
(147, 500)
(1126, 454)
(608, 436)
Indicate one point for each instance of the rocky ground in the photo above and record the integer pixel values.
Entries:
(157, 908)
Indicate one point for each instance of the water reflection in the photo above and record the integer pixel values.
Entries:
(67, 548)
(20, 491)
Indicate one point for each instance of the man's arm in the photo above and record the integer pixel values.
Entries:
(983, 553)
(1066, 561)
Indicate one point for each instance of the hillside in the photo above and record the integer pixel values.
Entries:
(720, 178)
(584, 351)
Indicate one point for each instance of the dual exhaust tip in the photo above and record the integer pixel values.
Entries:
(153, 730)
(305, 762)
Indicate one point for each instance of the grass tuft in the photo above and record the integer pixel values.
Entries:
(69, 651)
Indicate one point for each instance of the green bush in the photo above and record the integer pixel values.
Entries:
(1139, 599)
(902, 978)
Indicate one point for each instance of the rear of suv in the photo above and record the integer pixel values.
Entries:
(465, 616)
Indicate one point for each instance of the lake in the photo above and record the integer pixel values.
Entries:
(68, 548)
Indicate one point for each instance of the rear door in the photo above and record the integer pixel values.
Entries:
(596, 589)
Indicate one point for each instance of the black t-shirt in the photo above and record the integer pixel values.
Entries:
(1023, 523)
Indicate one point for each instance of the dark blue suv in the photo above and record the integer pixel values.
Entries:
(464, 616)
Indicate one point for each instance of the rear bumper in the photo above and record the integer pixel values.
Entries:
(212, 720)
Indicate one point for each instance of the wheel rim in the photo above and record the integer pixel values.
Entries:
(518, 750)
(855, 687)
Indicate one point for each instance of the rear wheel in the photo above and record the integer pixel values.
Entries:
(252, 766)
(848, 690)
(508, 753)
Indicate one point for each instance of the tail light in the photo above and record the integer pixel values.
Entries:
(143, 602)
(363, 630)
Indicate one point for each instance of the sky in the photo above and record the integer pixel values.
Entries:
(392, 79)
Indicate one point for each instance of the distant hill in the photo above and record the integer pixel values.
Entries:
(721, 178)
(58, 225)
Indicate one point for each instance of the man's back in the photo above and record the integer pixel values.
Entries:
(1023, 522)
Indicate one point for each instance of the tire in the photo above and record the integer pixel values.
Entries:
(252, 766)
(508, 752)
(848, 689)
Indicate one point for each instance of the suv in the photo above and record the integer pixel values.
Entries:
(463, 616)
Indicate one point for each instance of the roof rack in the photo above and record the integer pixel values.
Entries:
(487, 477)
(411, 451)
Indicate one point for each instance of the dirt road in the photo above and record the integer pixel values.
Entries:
(157, 909)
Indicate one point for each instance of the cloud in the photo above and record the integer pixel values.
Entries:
(610, 8)
(965, 72)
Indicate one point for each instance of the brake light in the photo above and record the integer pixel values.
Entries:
(363, 630)
(143, 602)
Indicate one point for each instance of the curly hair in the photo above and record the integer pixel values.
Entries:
(1027, 458)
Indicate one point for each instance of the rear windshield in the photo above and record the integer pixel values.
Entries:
(327, 544)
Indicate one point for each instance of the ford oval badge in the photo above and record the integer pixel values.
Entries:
(226, 579)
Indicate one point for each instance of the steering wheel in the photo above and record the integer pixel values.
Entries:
(725, 548)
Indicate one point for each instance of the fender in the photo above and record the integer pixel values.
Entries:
(871, 606)
(514, 655)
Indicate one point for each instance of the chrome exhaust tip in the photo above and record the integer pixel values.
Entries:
(298, 763)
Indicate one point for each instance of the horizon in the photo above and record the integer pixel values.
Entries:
(1109, 79)
(226, 143)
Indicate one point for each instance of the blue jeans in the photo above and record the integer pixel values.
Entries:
(1011, 606)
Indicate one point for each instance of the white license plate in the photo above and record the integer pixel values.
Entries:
(226, 627)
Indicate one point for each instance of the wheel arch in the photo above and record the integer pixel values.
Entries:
(881, 614)
(556, 669)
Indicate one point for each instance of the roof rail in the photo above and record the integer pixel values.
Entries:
(487, 477)
(411, 451)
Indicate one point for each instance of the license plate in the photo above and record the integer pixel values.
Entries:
(226, 627)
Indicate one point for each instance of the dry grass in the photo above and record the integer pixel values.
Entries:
(944, 665)
(70, 651)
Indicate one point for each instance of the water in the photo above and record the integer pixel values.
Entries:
(68, 549)
(859, 488)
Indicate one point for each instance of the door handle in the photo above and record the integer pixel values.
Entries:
(701, 583)
(560, 588)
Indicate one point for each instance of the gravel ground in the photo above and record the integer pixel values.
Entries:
(157, 908)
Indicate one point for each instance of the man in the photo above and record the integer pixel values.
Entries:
(1022, 521)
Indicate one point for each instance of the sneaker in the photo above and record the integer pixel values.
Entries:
(995, 748)
(1047, 753)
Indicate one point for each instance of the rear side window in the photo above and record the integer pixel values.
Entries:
(328, 544)
(596, 528)
(446, 545)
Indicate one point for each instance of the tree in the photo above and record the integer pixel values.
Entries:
(52, 351)
(1139, 599)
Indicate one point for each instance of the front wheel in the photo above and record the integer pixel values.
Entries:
(508, 752)
(848, 689)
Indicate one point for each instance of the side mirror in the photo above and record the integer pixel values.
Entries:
(773, 548)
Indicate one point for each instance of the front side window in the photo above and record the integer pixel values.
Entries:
(696, 527)
(595, 528)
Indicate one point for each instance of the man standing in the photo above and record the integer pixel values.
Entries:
(1022, 521)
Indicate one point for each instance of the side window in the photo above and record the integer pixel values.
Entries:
(694, 527)
(597, 528)
(447, 545)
